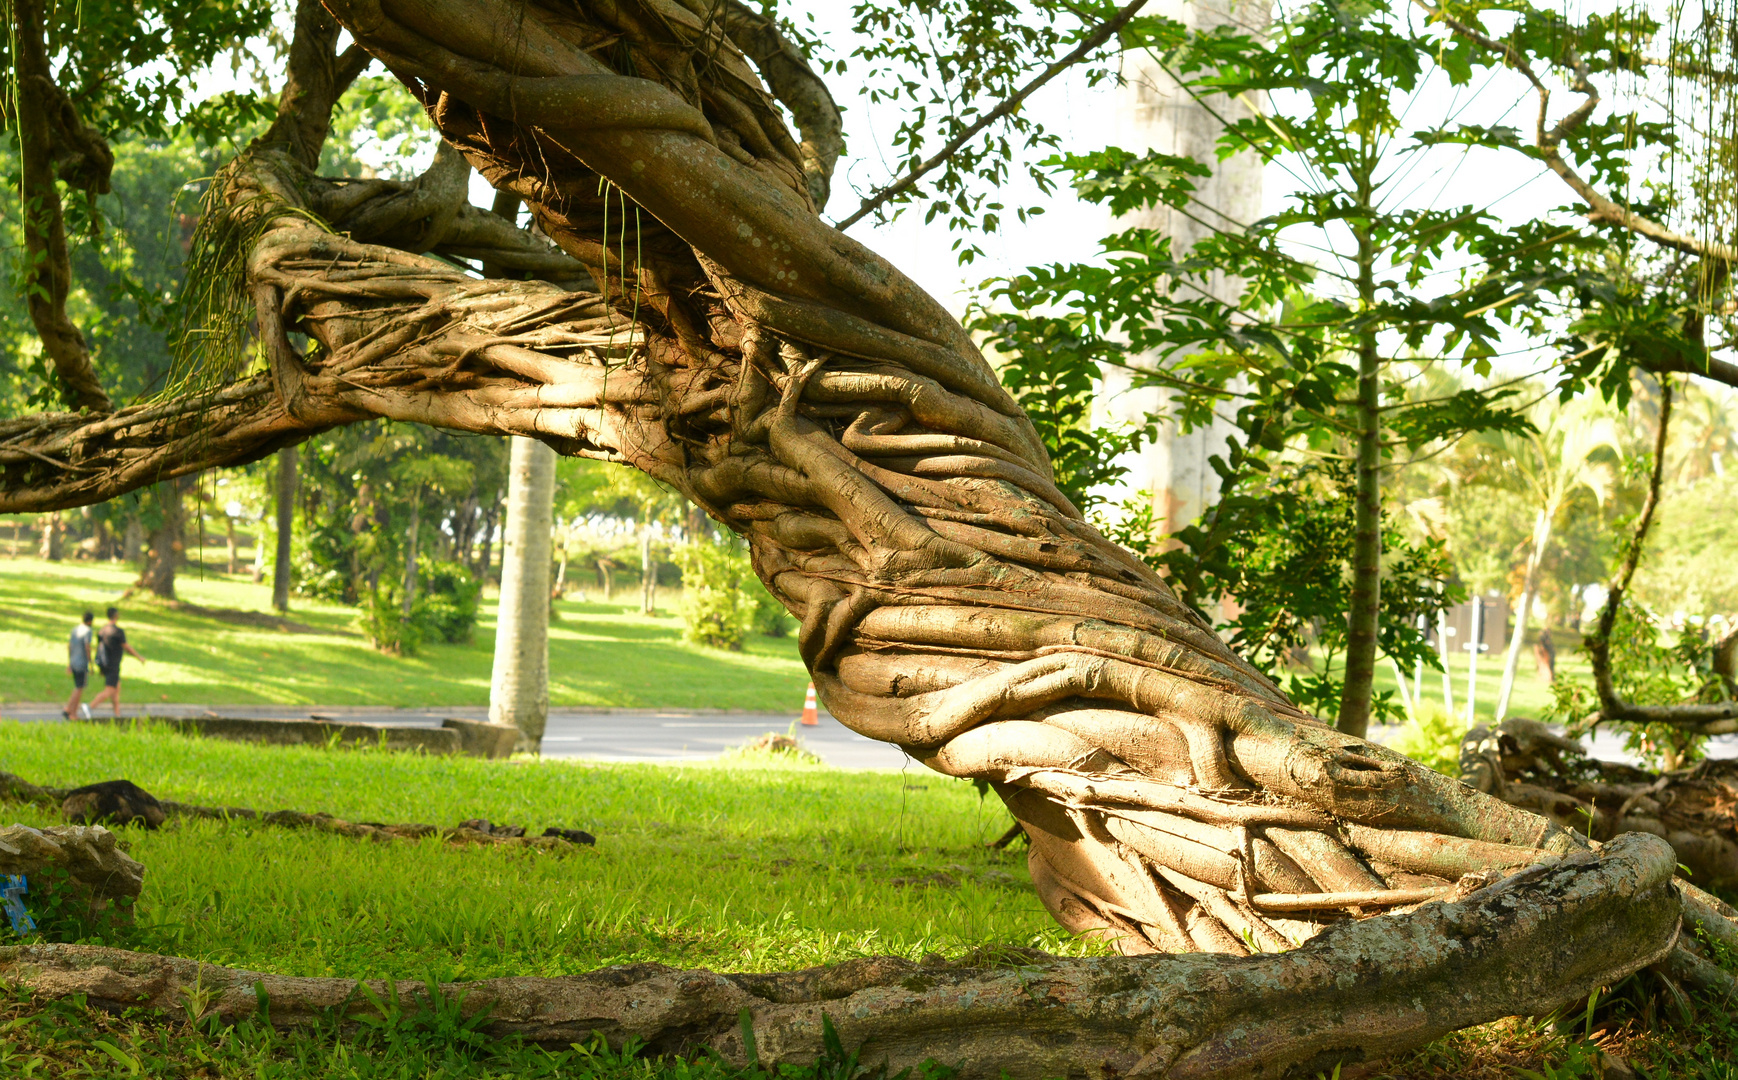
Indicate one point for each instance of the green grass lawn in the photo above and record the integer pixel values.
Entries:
(725, 866)
(599, 654)
(732, 866)
(1532, 694)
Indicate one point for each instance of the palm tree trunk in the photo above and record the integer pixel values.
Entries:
(1529, 589)
(519, 688)
(51, 537)
(561, 570)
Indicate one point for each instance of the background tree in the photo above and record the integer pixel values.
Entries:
(284, 506)
(1547, 465)
(519, 684)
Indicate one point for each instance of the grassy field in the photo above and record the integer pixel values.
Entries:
(740, 865)
(1532, 694)
(748, 868)
(599, 654)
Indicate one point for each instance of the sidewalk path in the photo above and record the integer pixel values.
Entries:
(674, 734)
(599, 734)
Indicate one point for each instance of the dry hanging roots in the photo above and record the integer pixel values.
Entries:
(814, 400)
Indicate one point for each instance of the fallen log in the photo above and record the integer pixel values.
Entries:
(1359, 991)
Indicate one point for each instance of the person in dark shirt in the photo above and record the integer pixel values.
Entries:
(111, 644)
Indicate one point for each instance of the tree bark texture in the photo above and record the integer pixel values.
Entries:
(51, 134)
(519, 686)
(166, 544)
(285, 499)
(1356, 992)
(814, 400)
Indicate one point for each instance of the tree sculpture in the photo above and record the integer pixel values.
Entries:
(952, 601)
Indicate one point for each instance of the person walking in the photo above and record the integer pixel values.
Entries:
(111, 644)
(78, 665)
(1545, 656)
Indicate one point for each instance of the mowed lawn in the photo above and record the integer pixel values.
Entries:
(605, 655)
(740, 865)
(1532, 695)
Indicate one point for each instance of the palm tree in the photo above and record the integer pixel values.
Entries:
(519, 683)
(1548, 465)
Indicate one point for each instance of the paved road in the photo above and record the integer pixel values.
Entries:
(600, 734)
(674, 734)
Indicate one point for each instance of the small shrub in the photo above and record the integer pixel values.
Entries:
(770, 617)
(445, 609)
(380, 617)
(717, 607)
(447, 604)
(1431, 738)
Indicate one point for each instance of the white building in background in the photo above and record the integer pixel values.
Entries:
(1155, 114)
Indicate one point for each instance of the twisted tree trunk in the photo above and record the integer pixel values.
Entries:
(53, 141)
(894, 498)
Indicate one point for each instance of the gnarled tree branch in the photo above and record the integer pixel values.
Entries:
(317, 77)
(50, 132)
(794, 83)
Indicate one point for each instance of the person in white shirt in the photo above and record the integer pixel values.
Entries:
(78, 665)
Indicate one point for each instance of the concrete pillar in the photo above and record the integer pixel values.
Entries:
(1155, 114)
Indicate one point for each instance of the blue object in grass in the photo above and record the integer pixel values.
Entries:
(12, 890)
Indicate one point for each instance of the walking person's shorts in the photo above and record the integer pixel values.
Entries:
(111, 676)
(79, 677)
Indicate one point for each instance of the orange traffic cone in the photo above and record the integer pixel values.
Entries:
(811, 715)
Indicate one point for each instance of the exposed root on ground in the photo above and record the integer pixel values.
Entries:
(1582, 922)
(122, 802)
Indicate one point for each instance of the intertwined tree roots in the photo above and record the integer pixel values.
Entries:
(894, 497)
